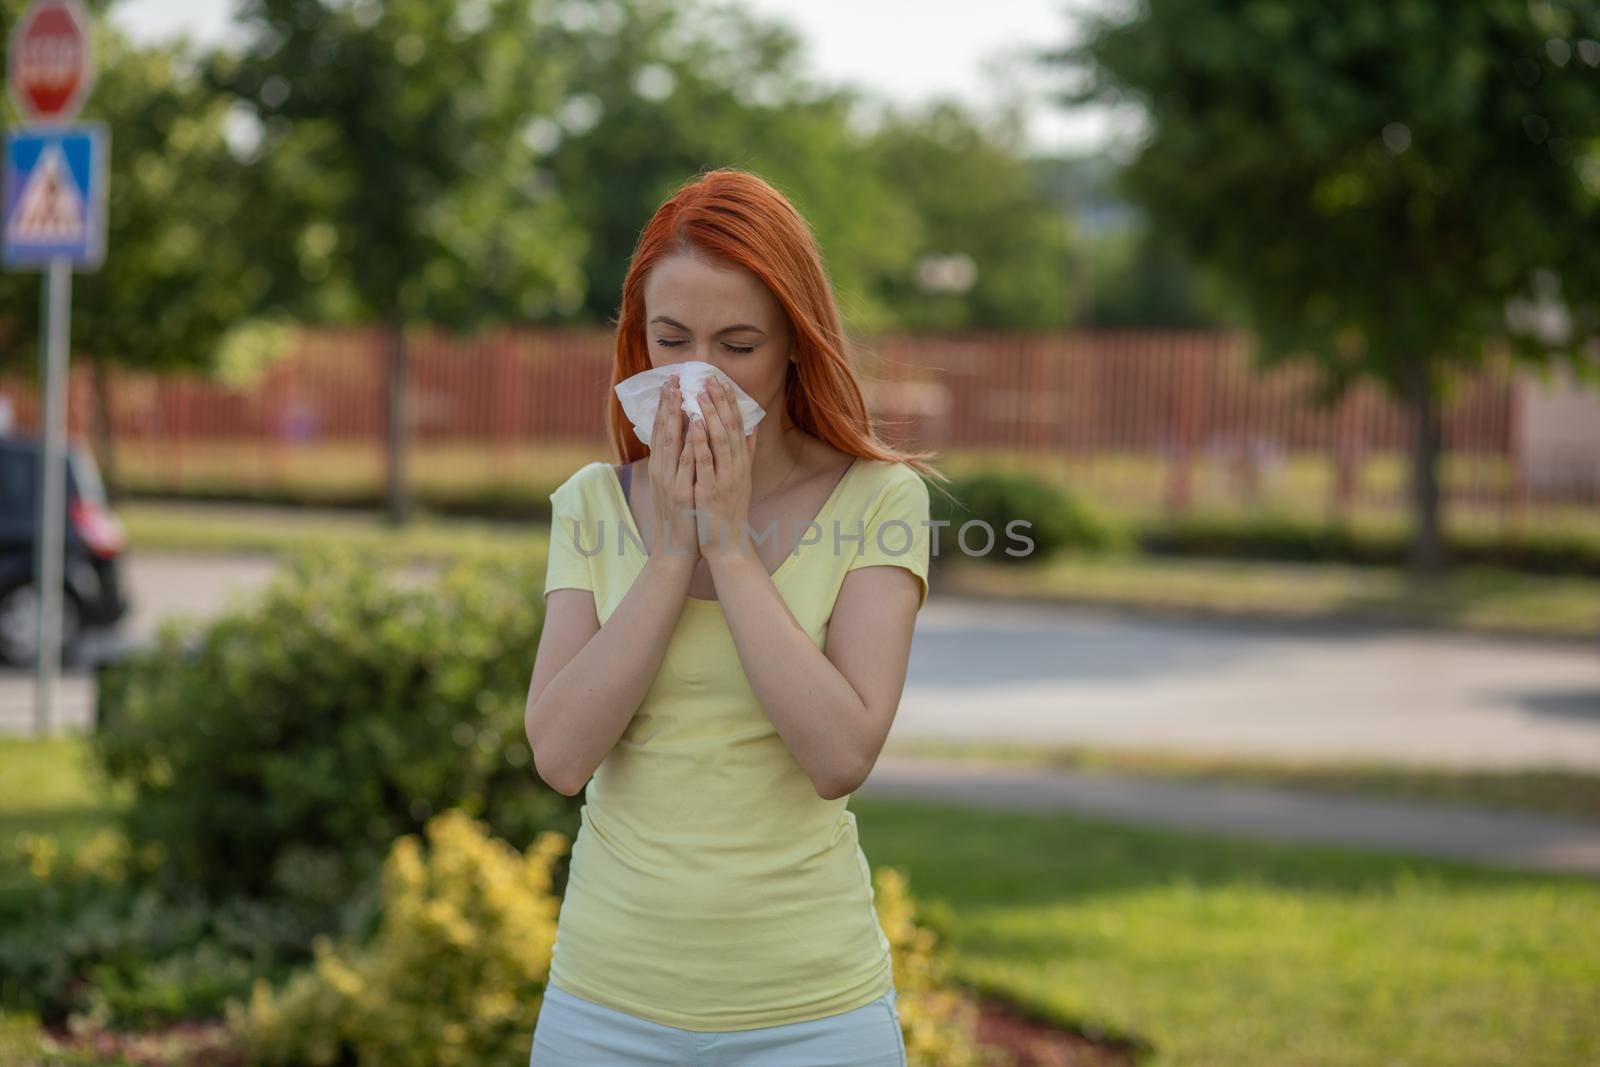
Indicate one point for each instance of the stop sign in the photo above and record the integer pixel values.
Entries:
(49, 66)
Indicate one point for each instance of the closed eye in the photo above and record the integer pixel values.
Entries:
(730, 348)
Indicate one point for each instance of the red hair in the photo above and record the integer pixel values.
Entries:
(734, 216)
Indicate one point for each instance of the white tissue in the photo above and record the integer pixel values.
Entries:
(640, 395)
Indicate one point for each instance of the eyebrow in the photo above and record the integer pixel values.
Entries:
(719, 333)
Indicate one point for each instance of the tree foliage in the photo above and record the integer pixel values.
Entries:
(672, 89)
(975, 193)
(392, 139)
(1388, 186)
(170, 291)
(1379, 181)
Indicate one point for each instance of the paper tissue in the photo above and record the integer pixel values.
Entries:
(640, 395)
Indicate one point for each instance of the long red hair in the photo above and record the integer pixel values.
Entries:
(734, 216)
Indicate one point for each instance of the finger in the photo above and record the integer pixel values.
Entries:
(716, 429)
(680, 485)
(685, 473)
(723, 398)
(705, 466)
(672, 406)
(719, 401)
(662, 441)
(737, 441)
(732, 420)
(659, 432)
(705, 482)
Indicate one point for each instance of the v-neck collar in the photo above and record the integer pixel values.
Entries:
(621, 500)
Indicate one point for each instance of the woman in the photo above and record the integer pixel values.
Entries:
(728, 623)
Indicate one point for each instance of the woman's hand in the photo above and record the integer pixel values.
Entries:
(672, 474)
(722, 456)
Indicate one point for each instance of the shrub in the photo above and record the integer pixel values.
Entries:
(1058, 520)
(454, 976)
(1268, 535)
(458, 967)
(938, 1023)
(288, 743)
(89, 944)
(273, 757)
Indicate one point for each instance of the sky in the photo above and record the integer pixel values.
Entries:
(943, 51)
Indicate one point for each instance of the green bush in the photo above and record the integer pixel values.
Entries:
(1057, 520)
(91, 942)
(273, 757)
(286, 745)
(458, 968)
(454, 976)
(1265, 536)
(938, 1023)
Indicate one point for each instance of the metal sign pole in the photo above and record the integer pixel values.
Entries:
(48, 548)
(54, 217)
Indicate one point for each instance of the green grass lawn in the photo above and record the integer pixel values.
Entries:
(1224, 952)
(1214, 951)
(48, 787)
(1469, 598)
(190, 527)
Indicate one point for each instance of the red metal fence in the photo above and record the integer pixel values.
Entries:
(1178, 417)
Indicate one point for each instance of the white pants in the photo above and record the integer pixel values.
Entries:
(573, 1032)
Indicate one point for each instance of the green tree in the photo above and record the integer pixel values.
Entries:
(674, 88)
(976, 194)
(395, 145)
(1141, 279)
(1389, 187)
(1136, 277)
(169, 295)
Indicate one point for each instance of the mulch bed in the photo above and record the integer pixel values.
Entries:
(195, 1043)
(1030, 1042)
(1033, 1042)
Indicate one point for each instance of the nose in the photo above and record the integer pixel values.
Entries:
(695, 357)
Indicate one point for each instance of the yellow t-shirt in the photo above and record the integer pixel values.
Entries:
(711, 888)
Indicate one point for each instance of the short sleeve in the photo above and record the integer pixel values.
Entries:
(572, 543)
(896, 530)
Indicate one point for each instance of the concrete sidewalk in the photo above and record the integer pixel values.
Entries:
(1493, 837)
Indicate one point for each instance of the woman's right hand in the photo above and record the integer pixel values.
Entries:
(672, 478)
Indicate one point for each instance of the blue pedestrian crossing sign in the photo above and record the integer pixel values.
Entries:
(55, 195)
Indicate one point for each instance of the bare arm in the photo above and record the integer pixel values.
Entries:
(832, 706)
(589, 679)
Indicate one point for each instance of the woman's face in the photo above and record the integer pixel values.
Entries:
(720, 313)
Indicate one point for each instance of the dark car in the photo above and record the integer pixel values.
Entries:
(92, 595)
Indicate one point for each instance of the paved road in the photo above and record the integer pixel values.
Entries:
(1493, 837)
(1044, 673)
(1047, 673)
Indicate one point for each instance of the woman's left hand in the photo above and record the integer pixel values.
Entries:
(722, 472)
